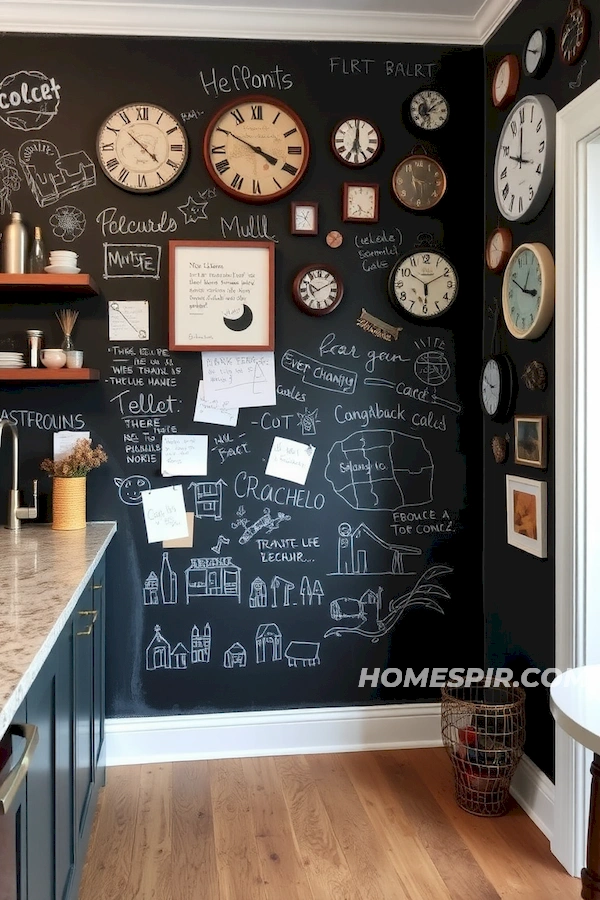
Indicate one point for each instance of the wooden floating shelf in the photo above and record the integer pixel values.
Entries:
(75, 284)
(49, 375)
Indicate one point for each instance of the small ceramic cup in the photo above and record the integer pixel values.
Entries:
(53, 358)
(74, 359)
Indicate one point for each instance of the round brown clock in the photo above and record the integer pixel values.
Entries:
(256, 149)
(506, 81)
(419, 182)
(498, 249)
(575, 33)
(317, 290)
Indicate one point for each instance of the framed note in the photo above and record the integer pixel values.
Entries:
(221, 295)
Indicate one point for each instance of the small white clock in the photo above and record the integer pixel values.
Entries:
(524, 164)
(356, 142)
(304, 218)
(528, 291)
(360, 202)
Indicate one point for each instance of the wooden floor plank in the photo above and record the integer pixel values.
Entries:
(151, 873)
(327, 869)
(193, 837)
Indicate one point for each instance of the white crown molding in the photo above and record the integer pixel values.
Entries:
(203, 20)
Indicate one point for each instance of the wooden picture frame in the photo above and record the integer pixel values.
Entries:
(531, 441)
(221, 295)
(295, 208)
(527, 515)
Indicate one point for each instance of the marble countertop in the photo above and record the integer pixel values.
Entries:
(42, 575)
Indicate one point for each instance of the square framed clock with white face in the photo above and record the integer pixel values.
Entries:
(304, 218)
(360, 202)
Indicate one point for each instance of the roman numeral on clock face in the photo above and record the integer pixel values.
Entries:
(291, 170)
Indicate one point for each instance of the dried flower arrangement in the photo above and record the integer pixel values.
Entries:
(80, 461)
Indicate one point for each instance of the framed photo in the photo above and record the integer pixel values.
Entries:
(221, 295)
(527, 514)
(531, 440)
(304, 218)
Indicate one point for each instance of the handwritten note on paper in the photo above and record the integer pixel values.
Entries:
(212, 412)
(164, 514)
(64, 442)
(184, 454)
(289, 460)
(128, 320)
(239, 379)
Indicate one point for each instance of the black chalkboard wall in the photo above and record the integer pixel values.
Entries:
(519, 589)
(269, 643)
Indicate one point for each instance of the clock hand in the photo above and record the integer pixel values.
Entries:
(267, 156)
(143, 146)
(532, 292)
(521, 147)
(514, 280)
(526, 280)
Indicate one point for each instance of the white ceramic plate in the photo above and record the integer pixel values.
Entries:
(62, 270)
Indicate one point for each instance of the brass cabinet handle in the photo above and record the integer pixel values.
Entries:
(88, 629)
(98, 587)
(14, 779)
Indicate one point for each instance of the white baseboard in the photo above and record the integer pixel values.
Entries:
(272, 733)
(534, 792)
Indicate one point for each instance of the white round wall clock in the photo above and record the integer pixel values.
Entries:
(524, 165)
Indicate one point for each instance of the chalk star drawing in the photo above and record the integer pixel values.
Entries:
(424, 594)
(193, 210)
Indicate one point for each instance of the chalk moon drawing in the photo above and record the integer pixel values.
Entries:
(130, 489)
(242, 322)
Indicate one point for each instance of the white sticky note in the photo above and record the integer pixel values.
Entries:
(184, 454)
(128, 320)
(164, 514)
(211, 412)
(239, 379)
(64, 442)
(289, 460)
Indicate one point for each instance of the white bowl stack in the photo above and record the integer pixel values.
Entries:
(62, 262)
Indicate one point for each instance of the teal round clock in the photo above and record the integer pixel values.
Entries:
(528, 291)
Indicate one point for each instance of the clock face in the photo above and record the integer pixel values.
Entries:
(497, 386)
(256, 149)
(535, 53)
(490, 387)
(524, 166)
(423, 284)
(429, 110)
(574, 34)
(505, 81)
(142, 147)
(305, 218)
(419, 182)
(317, 290)
(528, 291)
(356, 142)
(360, 203)
(498, 250)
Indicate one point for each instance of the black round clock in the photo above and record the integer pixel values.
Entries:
(497, 386)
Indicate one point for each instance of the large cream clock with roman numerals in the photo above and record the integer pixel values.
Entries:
(142, 147)
(524, 166)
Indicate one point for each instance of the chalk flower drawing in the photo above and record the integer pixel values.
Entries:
(9, 178)
(424, 594)
(68, 223)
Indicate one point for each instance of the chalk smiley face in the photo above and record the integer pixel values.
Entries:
(130, 488)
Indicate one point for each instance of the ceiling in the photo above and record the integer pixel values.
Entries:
(408, 21)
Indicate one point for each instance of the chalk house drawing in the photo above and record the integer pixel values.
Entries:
(363, 610)
(10, 180)
(68, 223)
(362, 552)
(381, 470)
(268, 636)
(208, 499)
(160, 654)
(281, 589)
(151, 597)
(50, 175)
(130, 489)
(212, 577)
(200, 644)
(424, 594)
(309, 592)
(302, 654)
(258, 594)
(235, 657)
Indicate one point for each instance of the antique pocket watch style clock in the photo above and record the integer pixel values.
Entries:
(505, 81)
(317, 290)
(498, 249)
(528, 291)
(537, 52)
(360, 202)
(304, 218)
(524, 164)
(497, 386)
(256, 149)
(423, 284)
(429, 110)
(142, 148)
(356, 142)
(419, 182)
(575, 33)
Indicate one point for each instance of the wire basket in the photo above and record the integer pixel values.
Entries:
(483, 729)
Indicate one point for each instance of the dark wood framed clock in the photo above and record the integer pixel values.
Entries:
(575, 33)
(419, 182)
(356, 141)
(256, 148)
(317, 289)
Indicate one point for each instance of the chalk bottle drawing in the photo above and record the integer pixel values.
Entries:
(168, 581)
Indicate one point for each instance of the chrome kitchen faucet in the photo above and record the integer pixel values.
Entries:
(16, 512)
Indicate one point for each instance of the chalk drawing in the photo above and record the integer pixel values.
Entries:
(28, 100)
(10, 180)
(308, 422)
(179, 657)
(424, 594)
(309, 592)
(268, 636)
(132, 261)
(318, 374)
(425, 395)
(130, 489)
(577, 83)
(208, 499)
(193, 210)
(208, 577)
(266, 521)
(432, 368)
(347, 608)
(281, 589)
(52, 175)
(200, 644)
(362, 552)
(258, 594)
(158, 652)
(302, 653)
(168, 581)
(68, 223)
(235, 657)
(151, 590)
(222, 540)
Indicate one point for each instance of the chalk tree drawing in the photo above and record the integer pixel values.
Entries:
(151, 597)
(268, 636)
(68, 223)
(200, 644)
(302, 653)
(160, 654)
(50, 175)
(212, 577)
(308, 422)
(130, 489)
(266, 521)
(258, 594)
(235, 657)
(381, 470)
(208, 499)
(424, 594)
(362, 552)
(10, 180)
(308, 592)
(281, 590)
(222, 540)
(168, 580)
(193, 210)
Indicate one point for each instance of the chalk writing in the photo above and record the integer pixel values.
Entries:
(286, 549)
(423, 521)
(28, 418)
(375, 249)
(372, 413)
(191, 114)
(51, 175)
(241, 78)
(28, 100)
(318, 374)
(111, 223)
(256, 228)
(247, 485)
(132, 261)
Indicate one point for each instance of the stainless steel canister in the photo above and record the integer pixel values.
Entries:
(34, 341)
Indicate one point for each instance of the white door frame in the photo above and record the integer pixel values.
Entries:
(577, 454)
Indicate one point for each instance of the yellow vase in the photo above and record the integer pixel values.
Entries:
(68, 503)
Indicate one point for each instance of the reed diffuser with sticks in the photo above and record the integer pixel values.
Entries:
(67, 319)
